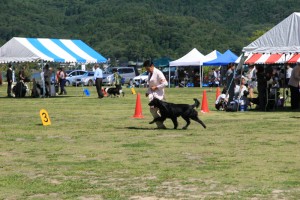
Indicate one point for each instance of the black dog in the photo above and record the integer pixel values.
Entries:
(171, 110)
(114, 91)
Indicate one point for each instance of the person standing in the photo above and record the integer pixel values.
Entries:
(156, 84)
(20, 87)
(9, 79)
(62, 81)
(57, 80)
(288, 74)
(117, 80)
(294, 87)
(230, 83)
(262, 85)
(22, 74)
(47, 78)
(98, 75)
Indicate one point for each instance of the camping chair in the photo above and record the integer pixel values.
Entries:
(271, 98)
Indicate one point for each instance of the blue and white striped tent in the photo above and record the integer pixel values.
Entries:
(20, 49)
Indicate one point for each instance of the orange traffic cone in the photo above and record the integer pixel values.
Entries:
(204, 105)
(218, 92)
(138, 107)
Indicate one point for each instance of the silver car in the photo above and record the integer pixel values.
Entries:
(72, 76)
(127, 73)
(87, 79)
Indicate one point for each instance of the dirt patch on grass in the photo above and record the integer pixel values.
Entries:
(93, 197)
(44, 196)
(146, 198)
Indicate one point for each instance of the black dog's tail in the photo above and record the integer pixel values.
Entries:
(197, 103)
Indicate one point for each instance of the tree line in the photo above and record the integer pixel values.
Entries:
(126, 30)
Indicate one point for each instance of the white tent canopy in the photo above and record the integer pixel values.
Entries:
(282, 38)
(193, 58)
(53, 50)
(212, 56)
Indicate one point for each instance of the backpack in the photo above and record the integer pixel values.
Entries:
(232, 107)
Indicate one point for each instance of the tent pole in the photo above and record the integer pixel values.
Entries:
(169, 76)
(43, 79)
(240, 65)
(201, 75)
(284, 84)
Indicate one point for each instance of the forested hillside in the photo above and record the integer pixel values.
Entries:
(139, 29)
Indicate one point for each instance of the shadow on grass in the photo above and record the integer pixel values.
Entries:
(143, 128)
(295, 117)
(281, 109)
(28, 97)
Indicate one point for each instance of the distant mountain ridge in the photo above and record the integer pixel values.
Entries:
(139, 29)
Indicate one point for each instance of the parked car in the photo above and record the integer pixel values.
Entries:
(140, 79)
(105, 74)
(127, 73)
(72, 76)
(87, 79)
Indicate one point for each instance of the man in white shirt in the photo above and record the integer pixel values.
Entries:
(98, 75)
(288, 74)
(156, 84)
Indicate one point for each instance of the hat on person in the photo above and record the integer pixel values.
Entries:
(245, 78)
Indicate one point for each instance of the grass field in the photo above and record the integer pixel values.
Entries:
(94, 149)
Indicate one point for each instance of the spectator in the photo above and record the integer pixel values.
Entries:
(47, 78)
(57, 79)
(222, 100)
(294, 87)
(62, 81)
(22, 74)
(9, 79)
(230, 83)
(241, 88)
(261, 87)
(251, 76)
(288, 74)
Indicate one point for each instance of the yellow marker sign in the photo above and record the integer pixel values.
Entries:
(133, 91)
(45, 117)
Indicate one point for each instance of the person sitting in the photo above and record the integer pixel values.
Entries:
(240, 100)
(222, 100)
(240, 89)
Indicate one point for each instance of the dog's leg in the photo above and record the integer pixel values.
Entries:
(175, 122)
(158, 119)
(196, 118)
(188, 121)
(154, 120)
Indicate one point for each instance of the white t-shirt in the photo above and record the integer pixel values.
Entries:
(289, 72)
(238, 91)
(157, 79)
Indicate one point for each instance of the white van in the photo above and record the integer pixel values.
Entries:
(127, 73)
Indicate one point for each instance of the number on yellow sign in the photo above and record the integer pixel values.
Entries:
(45, 117)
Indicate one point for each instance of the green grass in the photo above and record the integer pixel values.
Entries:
(94, 149)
